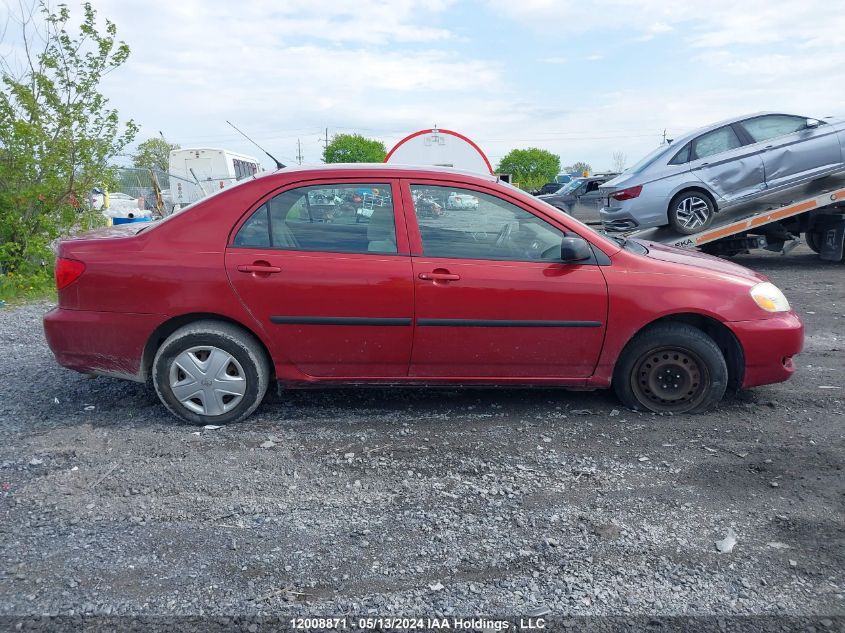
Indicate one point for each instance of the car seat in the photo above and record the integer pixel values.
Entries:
(283, 237)
(381, 233)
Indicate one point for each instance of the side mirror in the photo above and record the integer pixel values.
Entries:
(574, 249)
(812, 123)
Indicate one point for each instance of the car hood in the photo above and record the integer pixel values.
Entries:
(557, 196)
(710, 263)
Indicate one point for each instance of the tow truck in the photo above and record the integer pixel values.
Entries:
(776, 223)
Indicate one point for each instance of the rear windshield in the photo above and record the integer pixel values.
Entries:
(648, 159)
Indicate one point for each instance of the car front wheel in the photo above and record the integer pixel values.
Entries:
(211, 372)
(691, 212)
(671, 368)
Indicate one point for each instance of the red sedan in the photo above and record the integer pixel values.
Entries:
(282, 278)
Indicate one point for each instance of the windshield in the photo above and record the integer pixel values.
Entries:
(572, 185)
(648, 159)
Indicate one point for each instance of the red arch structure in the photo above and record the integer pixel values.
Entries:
(458, 135)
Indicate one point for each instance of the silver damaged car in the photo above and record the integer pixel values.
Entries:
(685, 183)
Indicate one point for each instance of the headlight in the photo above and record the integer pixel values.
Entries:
(769, 297)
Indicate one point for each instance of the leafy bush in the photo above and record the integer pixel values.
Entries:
(531, 168)
(57, 136)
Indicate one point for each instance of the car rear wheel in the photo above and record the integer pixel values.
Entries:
(671, 368)
(691, 212)
(211, 372)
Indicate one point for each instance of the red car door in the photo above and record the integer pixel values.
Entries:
(490, 298)
(325, 272)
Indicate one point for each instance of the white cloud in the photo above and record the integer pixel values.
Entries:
(284, 69)
(709, 23)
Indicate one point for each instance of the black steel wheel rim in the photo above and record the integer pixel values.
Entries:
(670, 379)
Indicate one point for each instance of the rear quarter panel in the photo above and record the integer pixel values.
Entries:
(171, 269)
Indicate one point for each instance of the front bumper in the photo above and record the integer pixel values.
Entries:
(109, 343)
(769, 346)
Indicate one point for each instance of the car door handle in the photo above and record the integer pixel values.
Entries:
(258, 268)
(439, 276)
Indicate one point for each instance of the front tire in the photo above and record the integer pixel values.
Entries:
(671, 368)
(691, 212)
(211, 372)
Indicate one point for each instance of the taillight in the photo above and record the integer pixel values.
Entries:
(627, 194)
(68, 271)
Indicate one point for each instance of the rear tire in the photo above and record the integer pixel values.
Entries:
(691, 212)
(671, 368)
(813, 239)
(211, 372)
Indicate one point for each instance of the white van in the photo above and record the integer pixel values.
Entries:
(200, 172)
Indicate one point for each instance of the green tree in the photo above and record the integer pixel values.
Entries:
(531, 168)
(57, 134)
(154, 153)
(353, 148)
(579, 168)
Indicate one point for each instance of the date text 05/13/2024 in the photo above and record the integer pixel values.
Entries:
(422, 624)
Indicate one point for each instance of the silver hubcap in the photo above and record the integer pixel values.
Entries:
(207, 380)
(693, 212)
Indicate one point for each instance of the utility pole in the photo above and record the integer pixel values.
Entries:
(298, 151)
(325, 143)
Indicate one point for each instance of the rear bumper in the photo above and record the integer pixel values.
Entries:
(640, 213)
(110, 343)
(769, 345)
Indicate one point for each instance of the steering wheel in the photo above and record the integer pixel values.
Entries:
(505, 234)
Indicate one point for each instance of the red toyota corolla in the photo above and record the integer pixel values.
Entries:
(342, 275)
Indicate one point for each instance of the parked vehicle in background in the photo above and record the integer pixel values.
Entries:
(461, 201)
(212, 302)
(581, 198)
(549, 187)
(202, 171)
(685, 183)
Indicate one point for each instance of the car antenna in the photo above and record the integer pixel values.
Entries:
(275, 160)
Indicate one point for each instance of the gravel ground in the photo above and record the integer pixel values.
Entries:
(382, 501)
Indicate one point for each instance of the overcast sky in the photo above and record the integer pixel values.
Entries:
(582, 79)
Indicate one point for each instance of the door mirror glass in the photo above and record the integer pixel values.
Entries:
(812, 123)
(574, 249)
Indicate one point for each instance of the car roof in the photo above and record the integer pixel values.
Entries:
(387, 169)
(679, 141)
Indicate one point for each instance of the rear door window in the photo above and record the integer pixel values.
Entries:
(720, 140)
(342, 218)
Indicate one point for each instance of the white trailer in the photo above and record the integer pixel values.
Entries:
(815, 211)
(202, 171)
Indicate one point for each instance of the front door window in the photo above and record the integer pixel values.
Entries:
(465, 224)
